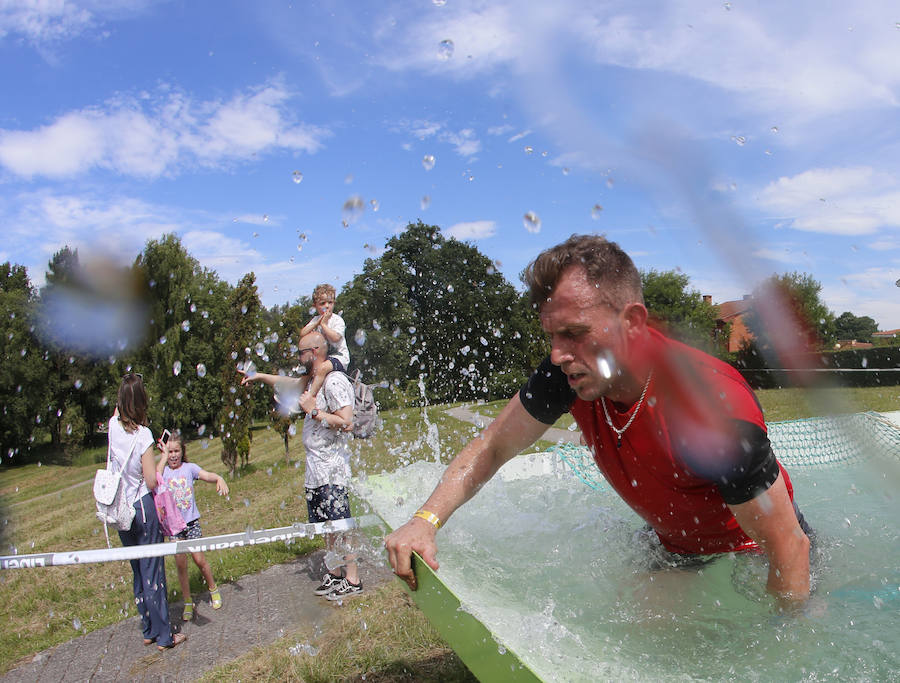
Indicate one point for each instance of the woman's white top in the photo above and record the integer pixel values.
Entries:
(121, 445)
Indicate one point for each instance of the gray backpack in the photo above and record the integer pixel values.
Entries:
(365, 412)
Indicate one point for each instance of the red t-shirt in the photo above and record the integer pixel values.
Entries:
(697, 443)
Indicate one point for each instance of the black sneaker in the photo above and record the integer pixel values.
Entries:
(329, 583)
(345, 590)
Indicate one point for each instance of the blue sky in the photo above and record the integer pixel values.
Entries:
(729, 140)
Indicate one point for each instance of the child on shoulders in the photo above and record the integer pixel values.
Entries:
(331, 326)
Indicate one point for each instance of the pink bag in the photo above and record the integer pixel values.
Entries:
(170, 520)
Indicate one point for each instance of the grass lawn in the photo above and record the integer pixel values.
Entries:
(45, 509)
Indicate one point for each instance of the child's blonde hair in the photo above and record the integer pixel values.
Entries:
(323, 290)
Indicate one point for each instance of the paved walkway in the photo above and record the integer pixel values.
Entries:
(256, 610)
(467, 414)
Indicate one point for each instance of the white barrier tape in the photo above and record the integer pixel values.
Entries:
(223, 542)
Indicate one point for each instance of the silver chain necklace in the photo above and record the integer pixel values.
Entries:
(618, 431)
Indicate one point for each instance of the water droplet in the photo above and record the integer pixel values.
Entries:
(596, 211)
(176, 368)
(201, 430)
(374, 204)
(353, 209)
(428, 162)
(531, 222)
(439, 3)
(260, 348)
(610, 182)
(528, 149)
(244, 309)
(425, 203)
(727, 6)
(78, 384)
(246, 502)
(739, 140)
(360, 337)
(774, 129)
(201, 370)
(186, 325)
(565, 170)
(76, 624)
(297, 177)
(445, 50)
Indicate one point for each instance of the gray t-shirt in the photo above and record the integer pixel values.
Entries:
(327, 450)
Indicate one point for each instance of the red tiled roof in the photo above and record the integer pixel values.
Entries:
(730, 309)
(886, 333)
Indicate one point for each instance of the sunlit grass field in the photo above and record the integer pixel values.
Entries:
(50, 508)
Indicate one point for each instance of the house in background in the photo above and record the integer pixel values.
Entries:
(886, 335)
(732, 313)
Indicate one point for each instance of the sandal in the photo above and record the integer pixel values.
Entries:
(216, 599)
(188, 611)
(177, 639)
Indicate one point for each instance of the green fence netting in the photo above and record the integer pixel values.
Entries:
(816, 442)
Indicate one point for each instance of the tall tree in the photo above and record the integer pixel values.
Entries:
(182, 357)
(851, 327)
(75, 382)
(240, 338)
(681, 312)
(22, 367)
(434, 316)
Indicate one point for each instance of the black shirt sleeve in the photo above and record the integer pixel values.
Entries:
(753, 467)
(547, 394)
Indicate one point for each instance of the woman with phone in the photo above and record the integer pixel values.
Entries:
(131, 453)
(179, 476)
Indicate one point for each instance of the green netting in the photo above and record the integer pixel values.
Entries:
(816, 442)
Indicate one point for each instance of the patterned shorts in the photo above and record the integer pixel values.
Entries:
(190, 532)
(328, 502)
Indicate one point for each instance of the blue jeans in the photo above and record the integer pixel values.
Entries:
(150, 592)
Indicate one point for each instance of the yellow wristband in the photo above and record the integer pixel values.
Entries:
(430, 517)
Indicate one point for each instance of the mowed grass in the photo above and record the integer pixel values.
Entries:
(49, 508)
(383, 636)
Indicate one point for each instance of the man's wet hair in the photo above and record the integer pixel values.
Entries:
(607, 266)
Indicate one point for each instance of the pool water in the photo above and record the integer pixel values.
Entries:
(559, 574)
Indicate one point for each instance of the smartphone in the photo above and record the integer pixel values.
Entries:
(164, 439)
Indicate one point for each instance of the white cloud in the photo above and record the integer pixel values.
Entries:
(474, 230)
(464, 141)
(844, 201)
(151, 137)
(41, 22)
(256, 219)
(780, 256)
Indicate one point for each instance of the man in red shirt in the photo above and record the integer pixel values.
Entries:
(677, 433)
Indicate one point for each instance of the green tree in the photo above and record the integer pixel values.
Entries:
(75, 383)
(434, 316)
(22, 370)
(182, 358)
(682, 313)
(787, 319)
(240, 340)
(849, 326)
